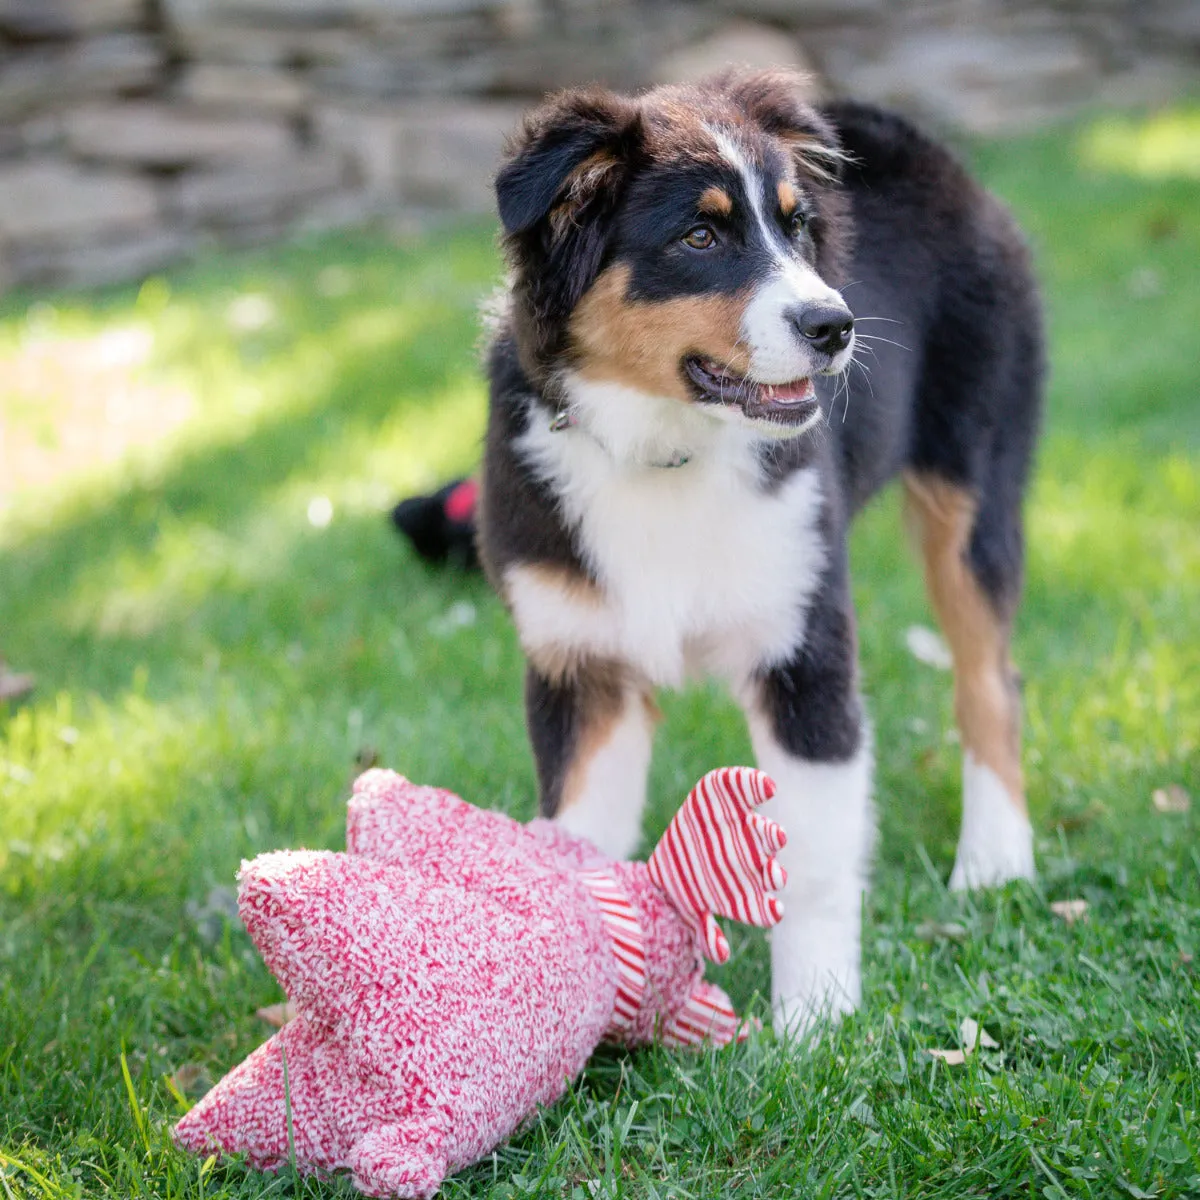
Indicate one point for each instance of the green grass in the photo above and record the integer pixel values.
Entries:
(212, 666)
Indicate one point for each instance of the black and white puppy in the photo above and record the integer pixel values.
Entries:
(669, 476)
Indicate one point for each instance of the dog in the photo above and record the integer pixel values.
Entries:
(678, 439)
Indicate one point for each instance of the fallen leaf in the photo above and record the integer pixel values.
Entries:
(952, 1058)
(941, 931)
(276, 1014)
(460, 615)
(974, 1036)
(192, 1080)
(1070, 910)
(1171, 799)
(320, 512)
(1136, 1192)
(927, 646)
(250, 312)
(218, 911)
(1069, 822)
(1144, 283)
(12, 685)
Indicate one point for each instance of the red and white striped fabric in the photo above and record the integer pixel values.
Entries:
(706, 1017)
(628, 946)
(717, 856)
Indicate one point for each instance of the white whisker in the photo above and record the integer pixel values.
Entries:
(871, 338)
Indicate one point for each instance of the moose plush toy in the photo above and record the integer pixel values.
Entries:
(455, 969)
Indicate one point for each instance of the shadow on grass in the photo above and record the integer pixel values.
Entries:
(331, 401)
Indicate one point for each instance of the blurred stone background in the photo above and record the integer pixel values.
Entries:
(135, 132)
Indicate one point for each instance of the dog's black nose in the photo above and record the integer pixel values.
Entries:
(827, 327)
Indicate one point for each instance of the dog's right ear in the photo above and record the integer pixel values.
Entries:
(570, 149)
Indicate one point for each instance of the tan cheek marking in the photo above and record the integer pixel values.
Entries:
(787, 198)
(641, 344)
(986, 702)
(716, 202)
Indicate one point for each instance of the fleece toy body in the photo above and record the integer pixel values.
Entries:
(455, 969)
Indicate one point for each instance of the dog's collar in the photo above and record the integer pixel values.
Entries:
(564, 420)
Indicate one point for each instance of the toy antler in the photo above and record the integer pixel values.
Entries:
(717, 856)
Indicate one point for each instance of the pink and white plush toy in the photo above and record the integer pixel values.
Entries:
(455, 969)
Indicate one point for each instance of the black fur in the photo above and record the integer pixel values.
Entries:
(959, 396)
(435, 535)
(812, 700)
(519, 519)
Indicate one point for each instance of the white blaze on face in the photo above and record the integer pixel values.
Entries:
(777, 352)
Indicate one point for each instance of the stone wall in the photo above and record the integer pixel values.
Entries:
(133, 132)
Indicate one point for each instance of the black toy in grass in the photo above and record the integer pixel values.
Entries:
(441, 525)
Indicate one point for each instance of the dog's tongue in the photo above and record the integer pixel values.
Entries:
(787, 393)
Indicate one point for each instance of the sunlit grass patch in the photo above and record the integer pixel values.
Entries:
(1161, 146)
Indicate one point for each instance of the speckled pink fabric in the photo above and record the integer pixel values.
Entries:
(451, 972)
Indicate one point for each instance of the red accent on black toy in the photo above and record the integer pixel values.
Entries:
(441, 525)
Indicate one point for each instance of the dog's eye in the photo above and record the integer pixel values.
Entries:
(797, 223)
(700, 237)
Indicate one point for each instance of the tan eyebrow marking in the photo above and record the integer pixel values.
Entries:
(787, 198)
(716, 202)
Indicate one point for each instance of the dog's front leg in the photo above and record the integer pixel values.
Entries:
(591, 733)
(810, 736)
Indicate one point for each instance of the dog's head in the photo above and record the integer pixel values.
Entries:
(681, 245)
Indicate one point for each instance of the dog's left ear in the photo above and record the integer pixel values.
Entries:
(777, 101)
(568, 150)
(557, 195)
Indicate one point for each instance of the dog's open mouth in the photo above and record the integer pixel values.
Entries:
(792, 403)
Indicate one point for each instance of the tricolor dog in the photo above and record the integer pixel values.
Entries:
(733, 317)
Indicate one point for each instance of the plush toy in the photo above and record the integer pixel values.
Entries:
(441, 525)
(455, 969)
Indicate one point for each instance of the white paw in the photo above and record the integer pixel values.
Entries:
(823, 999)
(996, 843)
(991, 867)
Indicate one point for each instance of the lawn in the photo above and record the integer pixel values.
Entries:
(224, 627)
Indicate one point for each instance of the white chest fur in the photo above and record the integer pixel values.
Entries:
(701, 571)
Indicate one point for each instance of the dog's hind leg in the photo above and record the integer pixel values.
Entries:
(972, 557)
